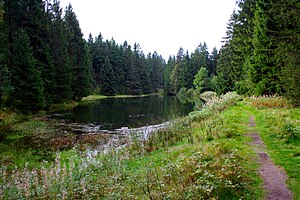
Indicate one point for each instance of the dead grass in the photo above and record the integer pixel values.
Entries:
(270, 101)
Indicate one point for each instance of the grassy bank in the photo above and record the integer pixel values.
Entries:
(279, 127)
(204, 156)
(97, 97)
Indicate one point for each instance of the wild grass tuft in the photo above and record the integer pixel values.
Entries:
(270, 101)
(218, 104)
(279, 129)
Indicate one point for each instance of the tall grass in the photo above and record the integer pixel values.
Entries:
(215, 105)
(279, 126)
(270, 101)
(208, 172)
(190, 160)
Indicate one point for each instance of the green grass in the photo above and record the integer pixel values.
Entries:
(272, 125)
(204, 156)
(26, 143)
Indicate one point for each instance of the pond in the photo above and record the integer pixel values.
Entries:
(115, 113)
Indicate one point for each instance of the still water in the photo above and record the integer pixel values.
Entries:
(114, 113)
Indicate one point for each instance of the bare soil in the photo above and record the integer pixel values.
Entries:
(274, 177)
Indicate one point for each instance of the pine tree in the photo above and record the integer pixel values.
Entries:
(186, 77)
(108, 83)
(59, 56)
(200, 58)
(79, 56)
(213, 58)
(167, 74)
(263, 73)
(27, 94)
(1, 11)
(44, 56)
(176, 72)
(156, 72)
(223, 81)
(284, 33)
(202, 81)
(228, 70)
(4, 72)
(97, 52)
(145, 72)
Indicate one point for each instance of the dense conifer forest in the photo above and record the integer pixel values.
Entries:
(45, 60)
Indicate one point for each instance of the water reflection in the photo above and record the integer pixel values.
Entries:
(115, 113)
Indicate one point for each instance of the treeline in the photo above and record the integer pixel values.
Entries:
(44, 59)
(259, 56)
(121, 69)
(261, 50)
(180, 71)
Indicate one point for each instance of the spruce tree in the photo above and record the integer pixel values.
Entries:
(108, 83)
(167, 74)
(213, 58)
(59, 56)
(176, 72)
(186, 77)
(1, 11)
(79, 56)
(28, 90)
(156, 72)
(4, 72)
(202, 81)
(286, 33)
(263, 72)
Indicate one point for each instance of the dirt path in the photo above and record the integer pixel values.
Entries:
(273, 177)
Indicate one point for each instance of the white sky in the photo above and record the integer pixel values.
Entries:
(157, 25)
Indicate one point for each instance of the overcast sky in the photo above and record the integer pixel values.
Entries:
(157, 25)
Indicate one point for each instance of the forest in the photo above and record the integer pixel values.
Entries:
(45, 60)
(243, 143)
